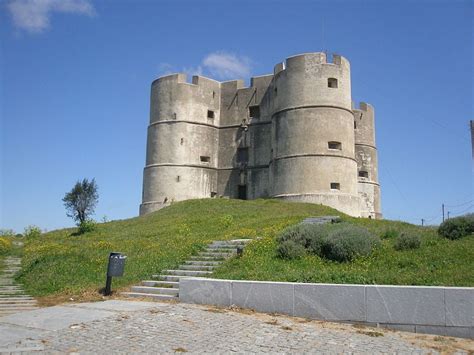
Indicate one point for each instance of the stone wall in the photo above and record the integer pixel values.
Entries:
(435, 310)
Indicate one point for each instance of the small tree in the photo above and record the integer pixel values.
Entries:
(80, 202)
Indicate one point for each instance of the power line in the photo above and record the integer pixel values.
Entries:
(460, 205)
(464, 211)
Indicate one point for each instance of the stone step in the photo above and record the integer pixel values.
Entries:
(174, 278)
(156, 290)
(17, 305)
(150, 295)
(224, 255)
(213, 248)
(187, 272)
(155, 283)
(10, 287)
(23, 296)
(16, 309)
(231, 242)
(16, 301)
(197, 267)
(204, 263)
(206, 258)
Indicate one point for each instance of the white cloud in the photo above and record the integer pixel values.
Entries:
(34, 16)
(220, 65)
(227, 66)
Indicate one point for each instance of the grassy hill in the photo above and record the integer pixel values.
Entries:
(60, 264)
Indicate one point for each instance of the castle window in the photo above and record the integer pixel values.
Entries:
(335, 145)
(332, 83)
(205, 159)
(213, 94)
(182, 141)
(254, 111)
(178, 178)
(335, 186)
(355, 125)
(276, 91)
(363, 174)
(210, 114)
(242, 155)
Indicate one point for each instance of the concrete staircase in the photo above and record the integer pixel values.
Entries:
(165, 286)
(12, 297)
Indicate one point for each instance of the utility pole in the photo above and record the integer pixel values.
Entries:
(448, 214)
(442, 207)
(422, 222)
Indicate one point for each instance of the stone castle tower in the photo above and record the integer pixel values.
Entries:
(293, 135)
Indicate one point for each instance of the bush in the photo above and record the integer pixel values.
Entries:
(390, 234)
(309, 236)
(458, 227)
(288, 249)
(339, 242)
(406, 241)
(348, 242)
(32, 231)
(87, 226)
(5, 245)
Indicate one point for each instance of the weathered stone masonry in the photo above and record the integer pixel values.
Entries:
(293, 135)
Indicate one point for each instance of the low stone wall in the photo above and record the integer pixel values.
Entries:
(434, 310)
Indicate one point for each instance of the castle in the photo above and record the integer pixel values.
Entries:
(292, 135)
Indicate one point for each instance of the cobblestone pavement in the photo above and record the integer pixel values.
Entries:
(168, 328)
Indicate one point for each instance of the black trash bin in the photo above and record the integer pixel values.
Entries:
(116, 264)
(115, 267)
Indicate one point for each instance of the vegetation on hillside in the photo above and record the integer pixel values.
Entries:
(64, 263)
(436, 262)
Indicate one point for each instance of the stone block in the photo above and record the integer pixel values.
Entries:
(406, 305)
(269, 297)
(330, 302)
(459, 332)
(205, 291)
(459, 306)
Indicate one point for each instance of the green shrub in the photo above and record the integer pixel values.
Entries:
(340, 242)
(348, 242)
(458, 227)
(390, 234)
(288, 249)
(32, 231)
(406, 241)
(309, 236)
(5, 245)
(87, 226)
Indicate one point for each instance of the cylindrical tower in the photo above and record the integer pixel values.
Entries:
(367, 164)
(181, 159)
(313, 133)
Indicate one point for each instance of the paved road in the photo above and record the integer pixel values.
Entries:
(131, 326)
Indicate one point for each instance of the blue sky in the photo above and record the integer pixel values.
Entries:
(76, 74)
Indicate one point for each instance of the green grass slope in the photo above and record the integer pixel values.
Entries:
(59, 263)
(438, 262)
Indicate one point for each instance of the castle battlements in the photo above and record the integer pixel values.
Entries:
(294, 135)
